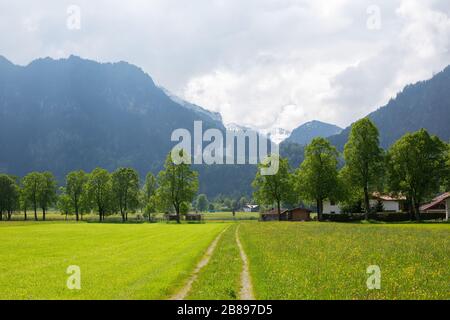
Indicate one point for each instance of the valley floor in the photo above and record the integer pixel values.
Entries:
(285, 260)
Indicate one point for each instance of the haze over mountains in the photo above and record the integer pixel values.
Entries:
(68, 114)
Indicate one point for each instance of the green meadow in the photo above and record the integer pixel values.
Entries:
(286, 260)
(330, 260)
(131, 261)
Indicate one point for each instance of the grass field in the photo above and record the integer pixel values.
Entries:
(132, 261)
(329, 261)
(287, 260)
(220, 279)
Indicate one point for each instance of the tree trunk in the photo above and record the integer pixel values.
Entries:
(76, 213)
(366, 202)
(417, 212)
(279, 210)
(319, 209)
(177, 209)
(25, 213)
(43, 214)
(35, 214)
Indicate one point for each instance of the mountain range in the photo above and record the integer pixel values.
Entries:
(69, 114)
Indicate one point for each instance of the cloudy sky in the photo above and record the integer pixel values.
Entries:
(262, 63)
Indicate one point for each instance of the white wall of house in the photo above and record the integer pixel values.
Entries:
(389, 206)
(448, 208)
(330, 209)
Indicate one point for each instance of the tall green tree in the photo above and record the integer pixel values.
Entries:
(177, 184)
(46, 191)
(75, 185)
(416, 167)
(317, 177)
(149, 195)
(364, 158)
(202, 203)
(64, 203)
(99, 190)
(24, 202)
(9, 196)
(125, 190)
(274, 189)
(31, 183)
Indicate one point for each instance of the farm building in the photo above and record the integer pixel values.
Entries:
(390, 203)
(440, 204)
(251, 208)
(297, 214)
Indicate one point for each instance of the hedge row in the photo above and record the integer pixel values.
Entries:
(385, 216)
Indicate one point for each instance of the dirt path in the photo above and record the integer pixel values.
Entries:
(246, 292)
(181, 295)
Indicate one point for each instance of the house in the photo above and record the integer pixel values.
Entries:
(440, 204)
(251, 208)
(390, 203)
(297, 214)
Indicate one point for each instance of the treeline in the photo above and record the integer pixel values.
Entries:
(100, 191)
(417, 166)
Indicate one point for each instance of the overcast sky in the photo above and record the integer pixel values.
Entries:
(262, 63)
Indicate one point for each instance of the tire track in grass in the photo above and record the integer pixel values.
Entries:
(181, 295)
(246, 292)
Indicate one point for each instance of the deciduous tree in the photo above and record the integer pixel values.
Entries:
(177, 184)
(99, 190)
(75, 184)
(277, 188)
(317, 177)
(364, 158)
(125, 190)
(30, 185)
(46, 192)
(416, 166)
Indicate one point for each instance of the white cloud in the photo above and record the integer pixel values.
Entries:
(262, 63)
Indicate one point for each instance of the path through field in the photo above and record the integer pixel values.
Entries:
(246, 292)
(181, 295)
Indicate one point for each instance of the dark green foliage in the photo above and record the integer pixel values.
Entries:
(9, 196)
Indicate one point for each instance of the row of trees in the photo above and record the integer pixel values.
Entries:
(220, 203)
(416, 166)
(100, 191)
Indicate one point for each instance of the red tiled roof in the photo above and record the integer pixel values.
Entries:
(435, 201)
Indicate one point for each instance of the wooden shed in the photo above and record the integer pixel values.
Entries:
(297, 214)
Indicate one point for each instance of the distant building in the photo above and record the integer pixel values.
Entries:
(390, 203)
(440, 204)
(297, 214)
(251, 208)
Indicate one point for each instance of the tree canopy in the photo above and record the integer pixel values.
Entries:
(177, 183)
(317, 177)
(417, 166)
(274, 189)
(364, 158)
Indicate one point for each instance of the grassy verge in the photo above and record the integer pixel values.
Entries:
(220, 279)
(132, 261)
(330, 260)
